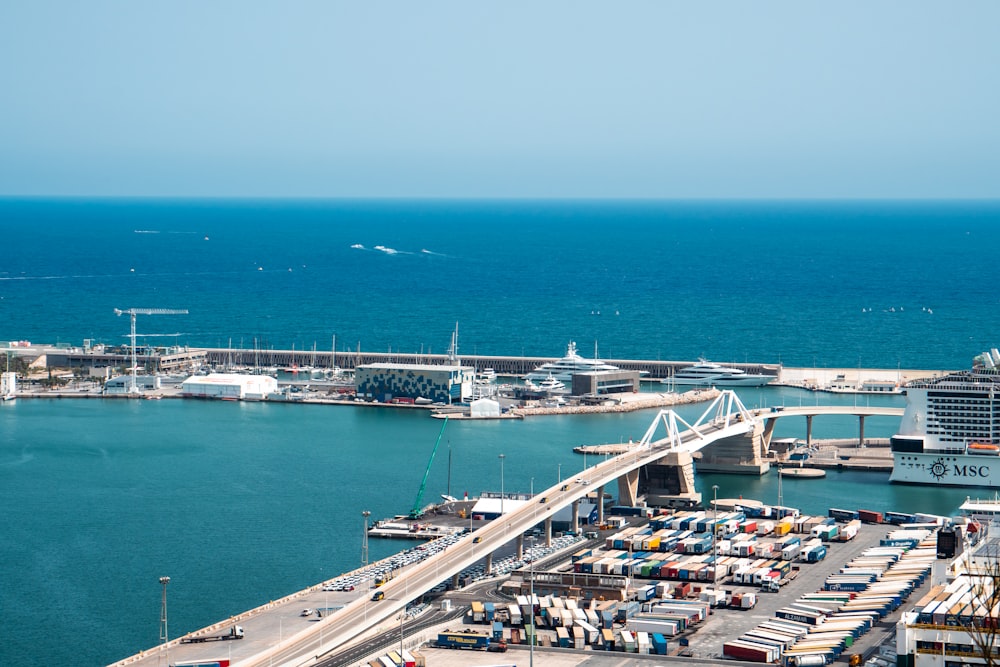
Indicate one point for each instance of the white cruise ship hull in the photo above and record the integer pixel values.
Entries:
(933, 469)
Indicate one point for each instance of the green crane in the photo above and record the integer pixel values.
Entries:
(416, 512)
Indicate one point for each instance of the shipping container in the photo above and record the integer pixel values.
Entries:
(870, 516)
(742, 650)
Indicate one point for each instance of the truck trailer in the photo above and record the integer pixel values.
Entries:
(235, 632)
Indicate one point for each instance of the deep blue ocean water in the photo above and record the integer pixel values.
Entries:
(243, 503)
(762, 281)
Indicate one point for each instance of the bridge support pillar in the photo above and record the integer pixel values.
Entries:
(488, 565)
(861, 431)
(769, 425)
(548, 532)
(600, 506)
(520, 546)
(809, 430)
(575, 525)
(454, 582)
(740, 454)
(628, 488)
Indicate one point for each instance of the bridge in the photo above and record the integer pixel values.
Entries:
(669, 442)
(771, 419)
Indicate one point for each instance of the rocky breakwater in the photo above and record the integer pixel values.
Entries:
(623, 403)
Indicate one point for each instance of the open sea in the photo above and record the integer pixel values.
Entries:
(243, 503)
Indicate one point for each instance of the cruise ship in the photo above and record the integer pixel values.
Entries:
(707, 374)
(563, 369)
(950, 432)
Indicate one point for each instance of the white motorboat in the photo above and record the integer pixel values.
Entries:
(551, 385)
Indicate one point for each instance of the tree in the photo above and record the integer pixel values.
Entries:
(984, 573)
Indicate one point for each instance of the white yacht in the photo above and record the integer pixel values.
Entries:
(551, 385)
(563, 369)
(707, 374)
(949, 435)
(485, 384)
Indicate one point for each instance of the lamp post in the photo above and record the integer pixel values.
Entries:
(364, 538)
(164, 634)
(780, 500)
(531, 603)
(501, 457)
(715, 532)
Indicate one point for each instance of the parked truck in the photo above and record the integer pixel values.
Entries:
(235, 632)
(470, 640)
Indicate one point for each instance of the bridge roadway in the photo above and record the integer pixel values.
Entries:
(726, 417)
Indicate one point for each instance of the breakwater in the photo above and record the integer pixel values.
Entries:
(503, 365)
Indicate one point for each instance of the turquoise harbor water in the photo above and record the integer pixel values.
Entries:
(243, 503)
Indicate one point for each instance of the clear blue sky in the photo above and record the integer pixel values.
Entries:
(500, 99)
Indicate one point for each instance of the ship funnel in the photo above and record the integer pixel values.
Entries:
(996, 355)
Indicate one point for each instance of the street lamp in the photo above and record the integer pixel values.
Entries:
(715, 533)
(780, 500)
(364, 538)
(402, 614)
(531, 603)
(501, 457)
(164, 634)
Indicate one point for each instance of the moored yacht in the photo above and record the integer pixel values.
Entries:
(563, 369)
(551, 385)
(707, 374)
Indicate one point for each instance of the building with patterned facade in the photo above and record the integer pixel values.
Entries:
(439, 384)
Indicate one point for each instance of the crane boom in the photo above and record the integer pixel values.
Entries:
(415, 513)
(149, 311)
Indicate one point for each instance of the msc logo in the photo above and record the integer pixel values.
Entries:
(972, 471)
(939, 470)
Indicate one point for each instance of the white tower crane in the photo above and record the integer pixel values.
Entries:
(132, 312)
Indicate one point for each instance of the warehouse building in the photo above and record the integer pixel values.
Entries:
(229, 386)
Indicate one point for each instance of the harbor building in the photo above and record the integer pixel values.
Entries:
(956, 621)
(154, 359)
(229, 386)
(595, 383)
(120, 384)
(386, 382)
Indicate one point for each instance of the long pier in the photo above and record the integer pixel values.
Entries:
(512, 366)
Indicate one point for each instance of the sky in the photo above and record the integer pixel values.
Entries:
(658, 99)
